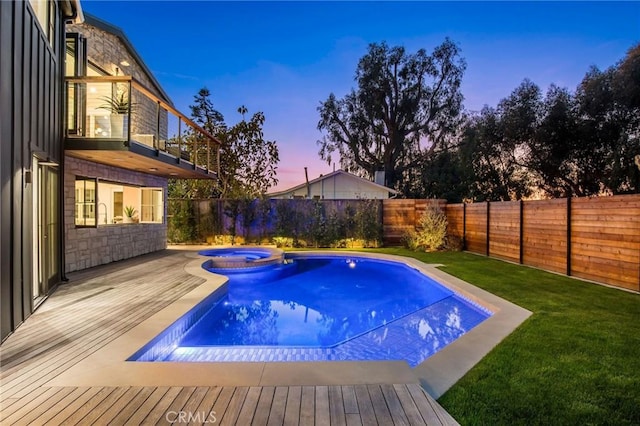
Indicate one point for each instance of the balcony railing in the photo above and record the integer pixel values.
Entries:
(120, 109)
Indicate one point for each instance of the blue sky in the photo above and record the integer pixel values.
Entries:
(284, 58)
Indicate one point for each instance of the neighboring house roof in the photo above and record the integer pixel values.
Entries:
(328, 176)
(116, 31)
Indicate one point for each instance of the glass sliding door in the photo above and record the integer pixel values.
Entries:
(76, 66)
(46, 238)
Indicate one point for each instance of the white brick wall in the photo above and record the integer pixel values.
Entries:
(88, 247)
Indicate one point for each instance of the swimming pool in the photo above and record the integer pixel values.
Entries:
(319, 307)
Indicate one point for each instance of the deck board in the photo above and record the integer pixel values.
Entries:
(278, 406)
(307, 405)
(205, 409)
(323, 416)
(120, 405)
(349, 400)
(261, 415)
(80, 412)
(158, 412)
(101, 407)
(292, 412)
(224, 399)
(408, 405)
(383, 416)
(365, 406)
(56, 407)
(132, 406)
(143, 410)
(232, 412)
(29, 412)
(101, 304)
(336, 406)
(395, 407)
(194, 402)
(245, 417)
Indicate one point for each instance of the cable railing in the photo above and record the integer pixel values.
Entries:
(120, 109)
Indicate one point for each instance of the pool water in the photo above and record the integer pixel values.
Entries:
(317, 302)
(324, 308)
(251, 254)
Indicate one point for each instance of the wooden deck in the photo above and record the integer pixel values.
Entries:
(101, 304)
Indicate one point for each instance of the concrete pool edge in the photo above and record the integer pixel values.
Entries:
(107, 366)
(443, 369)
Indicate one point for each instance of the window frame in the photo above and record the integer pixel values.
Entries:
(84, 203)
(46, 14)
(154, 207)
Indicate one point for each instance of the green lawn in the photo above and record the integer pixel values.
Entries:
(575, 361)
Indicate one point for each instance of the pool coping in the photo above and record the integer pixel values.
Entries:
(108, 365)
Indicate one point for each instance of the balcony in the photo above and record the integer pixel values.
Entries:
(118, 122)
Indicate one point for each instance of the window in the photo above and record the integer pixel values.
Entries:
(118, 203)
(45, 12)
(86, 202)
(100, 203)
(151, 206)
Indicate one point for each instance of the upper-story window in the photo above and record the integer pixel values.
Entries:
(45, 12)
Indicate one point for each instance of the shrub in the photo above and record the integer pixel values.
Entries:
(410, 240)
(225, 240)
(181, 224)
(431, 232)
(368, 223)
(283, 242)
(453, 243)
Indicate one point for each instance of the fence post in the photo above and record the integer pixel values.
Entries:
(488, 222)
(464, 226)
(521, 232)
(569, 235)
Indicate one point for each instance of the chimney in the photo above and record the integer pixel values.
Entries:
(379, 177)
(306, 177)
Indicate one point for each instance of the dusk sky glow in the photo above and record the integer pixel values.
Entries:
(284, 58)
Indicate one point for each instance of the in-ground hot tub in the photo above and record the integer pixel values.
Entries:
(241, 257)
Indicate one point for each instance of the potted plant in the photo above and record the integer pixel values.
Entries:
(129, 214)
(118, 105)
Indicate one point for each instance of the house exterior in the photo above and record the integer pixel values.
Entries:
(87, 135)
(120, 149)
(337, 185)
(32, 59)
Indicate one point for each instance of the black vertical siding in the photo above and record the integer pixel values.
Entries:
(6, 154)
(18, 202)
(31, 72)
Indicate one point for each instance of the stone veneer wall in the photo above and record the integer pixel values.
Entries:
(88, 247)
(107, 51)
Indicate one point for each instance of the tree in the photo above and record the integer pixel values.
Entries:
(405, 106)
(248, 162)
(489, 157)
(210, 119)
(443, 176)
(609, 106)
(561, 144)
(204, 114)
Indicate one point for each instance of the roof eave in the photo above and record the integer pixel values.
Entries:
(118, 32)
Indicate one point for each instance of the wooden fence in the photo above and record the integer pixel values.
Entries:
(401, 216)
(593, 238)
